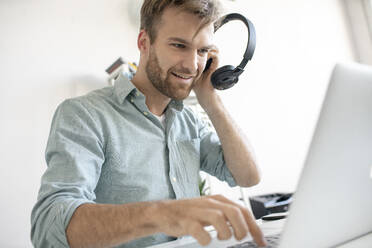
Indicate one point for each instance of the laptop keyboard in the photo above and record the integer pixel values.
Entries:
(272, 242)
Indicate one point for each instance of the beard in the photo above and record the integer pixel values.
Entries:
(166, 86)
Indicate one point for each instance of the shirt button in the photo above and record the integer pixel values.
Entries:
(145, 113)
(131, 100)
(174, 179)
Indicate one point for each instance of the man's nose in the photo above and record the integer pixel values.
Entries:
(191, 62)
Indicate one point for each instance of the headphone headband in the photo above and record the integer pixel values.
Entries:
(251, 31)
(226, 78)
(251, 45)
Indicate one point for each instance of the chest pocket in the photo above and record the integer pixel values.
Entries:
(189, 151)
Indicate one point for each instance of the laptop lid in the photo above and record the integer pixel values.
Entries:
(333, 201)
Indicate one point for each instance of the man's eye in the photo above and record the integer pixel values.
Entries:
(203, 51)
(178, 45)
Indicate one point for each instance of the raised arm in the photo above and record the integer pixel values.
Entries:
(236, 150)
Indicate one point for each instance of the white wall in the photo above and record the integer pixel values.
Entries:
(51, 50)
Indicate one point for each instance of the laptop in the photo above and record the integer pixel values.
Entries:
(332, 205)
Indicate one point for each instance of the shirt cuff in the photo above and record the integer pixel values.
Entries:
(229, 178)
(56, 233)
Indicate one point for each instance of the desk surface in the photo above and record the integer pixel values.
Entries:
(268, 228)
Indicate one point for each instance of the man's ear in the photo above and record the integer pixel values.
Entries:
(143, 41)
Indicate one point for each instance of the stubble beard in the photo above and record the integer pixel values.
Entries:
(165, 86)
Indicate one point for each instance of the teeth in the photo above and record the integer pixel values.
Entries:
(178, 75)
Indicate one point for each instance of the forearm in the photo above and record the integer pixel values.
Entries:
(235, 145)
(104, 225)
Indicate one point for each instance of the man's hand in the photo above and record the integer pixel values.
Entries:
(189, 216)
(204, 90)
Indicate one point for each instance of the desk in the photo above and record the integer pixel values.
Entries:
(268, 228)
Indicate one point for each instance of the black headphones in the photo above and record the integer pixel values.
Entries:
(226, 76)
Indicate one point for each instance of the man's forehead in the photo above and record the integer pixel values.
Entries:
(176, 23)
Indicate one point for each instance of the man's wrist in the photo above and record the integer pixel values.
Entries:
(211, 104)
(213, 107)
(153, 214)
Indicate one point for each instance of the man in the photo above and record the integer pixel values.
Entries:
(123, 161)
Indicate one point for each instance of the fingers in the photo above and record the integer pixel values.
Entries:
(215, 60)
(211, 210)
(252, 225)
(216, 218)
(236, 220)
(196, 230)
(232, 214)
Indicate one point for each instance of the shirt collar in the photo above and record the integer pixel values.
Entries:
(176, 104)
(124, 87)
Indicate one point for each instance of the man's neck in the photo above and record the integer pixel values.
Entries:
(155, 101)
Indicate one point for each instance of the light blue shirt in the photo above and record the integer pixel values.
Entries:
(107, 147)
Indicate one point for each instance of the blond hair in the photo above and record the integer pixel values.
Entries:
(207, 10)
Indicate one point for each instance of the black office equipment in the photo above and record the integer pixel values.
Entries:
(228, 75)
(270, 203)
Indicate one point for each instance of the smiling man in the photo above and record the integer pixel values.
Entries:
(123, 161)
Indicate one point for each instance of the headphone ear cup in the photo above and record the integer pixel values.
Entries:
(223, 78)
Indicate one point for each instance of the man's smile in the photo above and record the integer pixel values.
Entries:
(182, 76)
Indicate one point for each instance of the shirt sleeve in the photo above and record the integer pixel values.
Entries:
(211, 155)
(74, 156)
